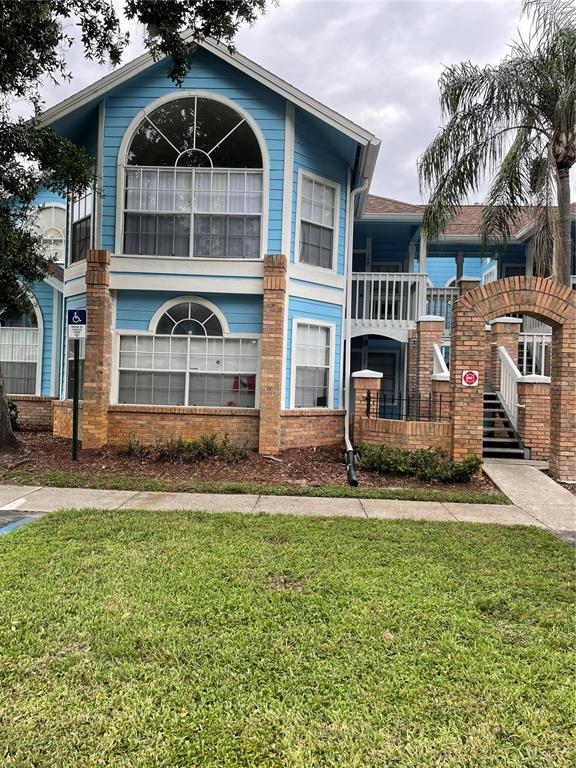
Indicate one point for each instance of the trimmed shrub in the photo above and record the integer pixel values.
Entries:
(176, 449)
(424, 464)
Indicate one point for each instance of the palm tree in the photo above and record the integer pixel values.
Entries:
(515, 125)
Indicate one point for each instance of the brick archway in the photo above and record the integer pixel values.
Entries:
(545, 300)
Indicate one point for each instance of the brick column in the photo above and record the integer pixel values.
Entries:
(272, 350)
(467, 352)
(465, 285)
(563, 399)
(505, 332)
(429, 330)
(534, 414)
(364, 381)
(97, 365)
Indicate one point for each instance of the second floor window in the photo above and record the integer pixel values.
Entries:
(194, 183)
(317, 223)
(81, 214)
(50, 223)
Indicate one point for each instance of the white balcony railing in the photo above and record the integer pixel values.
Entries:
(509, 375)
(393, 299)
(439, 301)
(534, 353)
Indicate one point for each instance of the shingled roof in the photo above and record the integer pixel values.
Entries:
(465, 223)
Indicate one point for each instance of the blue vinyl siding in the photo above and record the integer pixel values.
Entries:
(209, 74)
(135, 309)
(44, 295)
(46, 197)
(306, 309)
(441, 270)
(316, 150)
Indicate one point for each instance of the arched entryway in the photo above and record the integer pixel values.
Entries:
(545, 300)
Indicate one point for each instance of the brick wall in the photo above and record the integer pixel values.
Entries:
(534, 415)
(429, 330)
(62, 419)
(299, 428)
(409, 435)
(34, 412)
(155, 422)
(305, 428)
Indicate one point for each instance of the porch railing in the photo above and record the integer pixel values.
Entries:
(509, 375)
(534, 353)
(395, 299)
(439, 301)
(431, 407)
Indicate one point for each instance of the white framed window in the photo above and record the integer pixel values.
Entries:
(50, 223)
(312, 364)
(318, 205)
(188, 361)
(194, 183)
(81, 225)
(21, 350)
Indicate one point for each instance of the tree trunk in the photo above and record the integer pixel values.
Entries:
(563, 244)
(7, 440)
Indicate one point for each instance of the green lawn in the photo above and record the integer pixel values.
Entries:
(187, 639)
(116, 482)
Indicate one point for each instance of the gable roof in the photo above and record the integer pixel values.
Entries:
(249, 67)
(464, 224)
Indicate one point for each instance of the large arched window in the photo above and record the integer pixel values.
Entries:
(19, 350)
(50, 223)
(188, 359)
(193, 183)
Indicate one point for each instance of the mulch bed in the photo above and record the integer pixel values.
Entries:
(301, 467)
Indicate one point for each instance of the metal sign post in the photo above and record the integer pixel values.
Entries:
(76, 330)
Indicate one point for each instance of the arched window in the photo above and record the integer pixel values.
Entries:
(193, 183)
(50, 223)
(188, 359)
(189, 319)
(19, 350)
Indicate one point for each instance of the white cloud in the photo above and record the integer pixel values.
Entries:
(375, 61)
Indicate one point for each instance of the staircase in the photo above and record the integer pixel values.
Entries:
(501, 441)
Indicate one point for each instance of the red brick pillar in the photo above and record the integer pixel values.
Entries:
(468, 352)
(534, 414)
(364, 382)
(429, 330)
(505, 332)
(97, 365)
(563, 399)
(273, 340)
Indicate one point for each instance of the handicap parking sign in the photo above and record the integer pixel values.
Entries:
(77, 319)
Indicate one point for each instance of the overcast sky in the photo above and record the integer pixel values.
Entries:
(375, 61)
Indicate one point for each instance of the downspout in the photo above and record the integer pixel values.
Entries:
(352, 195)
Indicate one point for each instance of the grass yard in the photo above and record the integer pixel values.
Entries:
(227, 641)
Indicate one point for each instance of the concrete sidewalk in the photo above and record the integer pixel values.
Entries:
(35, 500)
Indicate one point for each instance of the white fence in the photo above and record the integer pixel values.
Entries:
(509, 375)
(394, 299)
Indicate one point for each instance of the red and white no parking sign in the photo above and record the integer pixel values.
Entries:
(470, 378)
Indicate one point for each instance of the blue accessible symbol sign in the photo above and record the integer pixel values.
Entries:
(77, 319)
